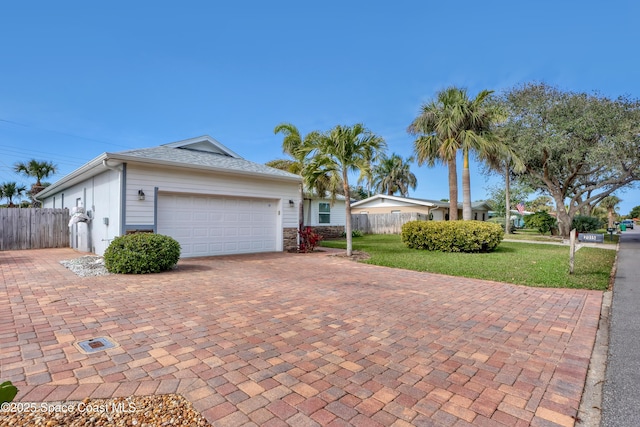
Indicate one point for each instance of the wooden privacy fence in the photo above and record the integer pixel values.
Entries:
(390, 223)
(33, 228)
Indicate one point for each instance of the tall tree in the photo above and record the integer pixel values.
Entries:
(450, 123)
(393, 175)
(38, 170)
(295, 146)
(502, 159)
(498, 198)
(11, 190)
(292, 145)
(286, 165)
(610, 203)
(540, 203)
(577, 148)
(337, 152)
(635, 212)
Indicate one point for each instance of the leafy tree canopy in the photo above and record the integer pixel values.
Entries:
(36, 169)
(540, 203)
(577, 148)
(497, 197)
(635, 212)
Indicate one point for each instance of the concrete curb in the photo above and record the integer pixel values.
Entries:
(590, 410)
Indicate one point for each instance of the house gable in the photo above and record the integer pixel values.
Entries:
(205, 144)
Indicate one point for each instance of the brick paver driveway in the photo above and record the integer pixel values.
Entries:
(301, 340)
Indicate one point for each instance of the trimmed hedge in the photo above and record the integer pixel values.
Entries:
(141, 253)
(452, 236)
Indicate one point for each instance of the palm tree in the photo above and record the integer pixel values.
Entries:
(11, 190)
(297, 148)
(610, 203)
(37, 170)
(292, 145)
(336, 153)
(450, 123)
(393, 175)
(284, 165)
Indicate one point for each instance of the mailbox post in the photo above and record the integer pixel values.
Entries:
(610, 230)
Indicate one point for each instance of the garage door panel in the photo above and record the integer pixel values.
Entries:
(182, 233)
(216, 232)
(200, 232)
(200, 217)
(218, 225)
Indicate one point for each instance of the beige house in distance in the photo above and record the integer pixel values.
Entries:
(434, 209)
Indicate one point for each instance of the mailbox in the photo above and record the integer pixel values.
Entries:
(591, 238)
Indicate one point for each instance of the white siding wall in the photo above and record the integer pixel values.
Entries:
(102, 200)
(106, 202)
(196, 182)
(103, 196)
(312, 214)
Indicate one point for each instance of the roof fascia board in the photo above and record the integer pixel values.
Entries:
(92, 168)
(395, 198)
(83, 172)
(135, 159)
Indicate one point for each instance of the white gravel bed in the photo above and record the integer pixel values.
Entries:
(86, 266)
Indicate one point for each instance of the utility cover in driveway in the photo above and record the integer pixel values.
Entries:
(95, 344)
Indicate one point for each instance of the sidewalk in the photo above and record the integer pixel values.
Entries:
(566, 243)
(621, 390)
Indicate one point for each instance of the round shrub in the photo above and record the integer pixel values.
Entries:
(541, 221)
(141, 253)
(452, 236)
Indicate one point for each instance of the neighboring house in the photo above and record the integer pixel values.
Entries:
(517, 218)
(436, 210)
(327, 219)
(319, 211)
(211, 200)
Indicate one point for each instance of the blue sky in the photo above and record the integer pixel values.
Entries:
(80, 78)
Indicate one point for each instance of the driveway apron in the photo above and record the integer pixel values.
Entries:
(301, 340)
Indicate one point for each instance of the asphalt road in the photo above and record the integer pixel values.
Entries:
(621, 390)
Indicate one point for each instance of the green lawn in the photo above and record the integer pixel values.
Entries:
(520, 263)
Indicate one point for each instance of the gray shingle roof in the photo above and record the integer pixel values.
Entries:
(189, 157)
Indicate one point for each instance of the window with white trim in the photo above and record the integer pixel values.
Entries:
(324, 213)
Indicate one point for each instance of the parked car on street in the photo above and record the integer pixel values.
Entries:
(628, 223)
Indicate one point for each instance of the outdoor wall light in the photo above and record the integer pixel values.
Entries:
(291, 203)
(140, 195)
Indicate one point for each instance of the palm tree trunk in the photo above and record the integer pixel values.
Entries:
(347, 204)
(453, 190)
(466, 187)
(507, 201)
(610, 215)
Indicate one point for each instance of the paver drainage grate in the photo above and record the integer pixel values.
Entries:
(95, 344)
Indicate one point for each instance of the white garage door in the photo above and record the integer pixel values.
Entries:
(205, 225)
